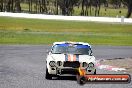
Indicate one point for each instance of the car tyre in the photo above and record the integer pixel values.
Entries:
(47, 75)
(95, 72)
(81, 80)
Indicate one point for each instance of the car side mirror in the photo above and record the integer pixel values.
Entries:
(91, 54)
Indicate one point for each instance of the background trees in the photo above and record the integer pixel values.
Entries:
(65, 7)
(128, 3)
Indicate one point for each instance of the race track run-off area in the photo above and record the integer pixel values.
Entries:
(23, 66)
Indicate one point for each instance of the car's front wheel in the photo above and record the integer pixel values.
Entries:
(81, 80)
(47, 75)
(95, 72)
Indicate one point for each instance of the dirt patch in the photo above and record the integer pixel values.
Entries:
(119, 62)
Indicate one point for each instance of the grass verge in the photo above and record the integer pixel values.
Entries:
(35, 31)
(7, 37)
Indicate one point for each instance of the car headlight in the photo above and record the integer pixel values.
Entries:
(90, 65)
(52, 63)
(84, 64)
(59, 63)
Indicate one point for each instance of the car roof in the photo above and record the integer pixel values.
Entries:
(69, 42)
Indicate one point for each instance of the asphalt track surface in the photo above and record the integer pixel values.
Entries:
(23, 66)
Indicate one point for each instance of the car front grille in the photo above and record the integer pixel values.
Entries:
(69, 71)
(74, 64)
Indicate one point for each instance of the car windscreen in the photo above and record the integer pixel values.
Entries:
(71, 49)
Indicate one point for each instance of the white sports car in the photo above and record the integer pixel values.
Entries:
(67, 57)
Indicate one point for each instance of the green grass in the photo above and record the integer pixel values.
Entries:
(34, 31)
(7, 37)
(19, 24)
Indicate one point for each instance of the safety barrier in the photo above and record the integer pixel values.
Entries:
(70, 18)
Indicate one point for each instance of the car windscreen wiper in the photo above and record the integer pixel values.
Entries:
(57, 53)
(78, 54)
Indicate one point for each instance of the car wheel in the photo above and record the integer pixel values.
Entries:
(95, 72)
(47, 75)
(81, 80)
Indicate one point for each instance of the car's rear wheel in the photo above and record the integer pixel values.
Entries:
(47, 75)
